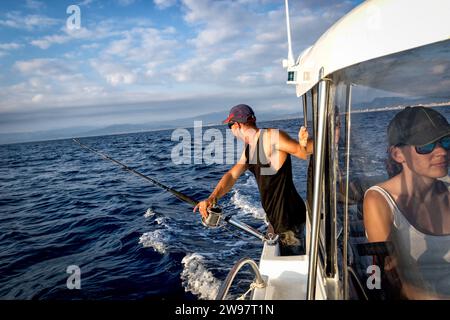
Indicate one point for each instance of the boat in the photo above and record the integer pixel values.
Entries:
(400, 47)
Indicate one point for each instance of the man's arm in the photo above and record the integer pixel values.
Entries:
(299, 149)
(223, 187)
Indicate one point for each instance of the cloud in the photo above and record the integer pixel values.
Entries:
(10, 46)
(90, 46)
(5, 48)
(120, 47)
(125, 3)
(218, 53)
(143, 45)
(238, 43)
(164, 4)
(43, 67)
(113, 73)
(218, 20)
(34, 5)
(85, 2)
(47, 41)
(37, 98)
(233, 42)
(145, 55)
(133, 56)
(27, 22)
(67, 35)
(104, 29)
(50, 82)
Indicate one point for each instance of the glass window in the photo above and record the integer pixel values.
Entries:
(397, 203)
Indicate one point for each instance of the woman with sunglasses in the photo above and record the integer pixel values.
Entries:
(411, 210)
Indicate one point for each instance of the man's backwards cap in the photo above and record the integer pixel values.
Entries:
(241, 113)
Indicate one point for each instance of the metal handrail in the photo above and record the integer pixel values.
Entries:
(347, 179)
(223, 291)
(317, 186)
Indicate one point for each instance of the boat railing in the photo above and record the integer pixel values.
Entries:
(258, 283)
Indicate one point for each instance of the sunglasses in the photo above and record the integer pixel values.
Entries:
(230, 124)
(428, 148)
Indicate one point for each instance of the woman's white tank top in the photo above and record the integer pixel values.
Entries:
(424, 259)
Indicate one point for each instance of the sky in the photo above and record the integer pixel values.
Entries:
(138, 61)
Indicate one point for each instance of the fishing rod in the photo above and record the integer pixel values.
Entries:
(215, 213)
(177, 194)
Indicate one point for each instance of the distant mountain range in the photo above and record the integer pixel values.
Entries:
(394, 102)
(214, 118)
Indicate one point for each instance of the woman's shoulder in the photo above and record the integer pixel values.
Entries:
(391, 186)
(381, 187)
(377, 214)
(379, 198)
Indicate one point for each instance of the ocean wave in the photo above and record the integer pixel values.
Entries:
(197, 278)
(159, 219)
(155, 239)
(244, 204)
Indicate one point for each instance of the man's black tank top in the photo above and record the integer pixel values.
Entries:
(284, 207)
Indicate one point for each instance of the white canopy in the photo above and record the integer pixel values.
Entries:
(378, 29)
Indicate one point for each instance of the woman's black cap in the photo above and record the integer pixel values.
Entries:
(417, 126)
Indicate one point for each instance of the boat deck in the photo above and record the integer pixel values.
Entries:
(286, 276)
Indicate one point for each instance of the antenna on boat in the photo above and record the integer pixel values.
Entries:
(289, 62)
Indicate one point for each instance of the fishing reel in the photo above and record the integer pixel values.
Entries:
(214, 217)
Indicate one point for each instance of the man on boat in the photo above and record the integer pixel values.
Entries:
(267, 155)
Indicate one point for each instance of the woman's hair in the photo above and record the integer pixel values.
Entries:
(393, 168)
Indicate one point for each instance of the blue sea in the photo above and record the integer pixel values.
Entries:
(64, 207)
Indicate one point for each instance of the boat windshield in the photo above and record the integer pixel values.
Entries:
(399, 230)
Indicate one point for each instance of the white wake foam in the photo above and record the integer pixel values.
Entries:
(197, 279)
(155, 239)
(161, 220)
(243, 203)
(149, 213)
(250, 182)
